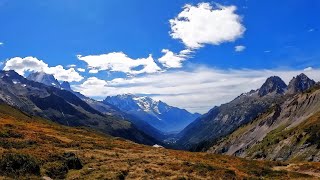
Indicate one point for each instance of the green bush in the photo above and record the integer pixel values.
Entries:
(13, 164)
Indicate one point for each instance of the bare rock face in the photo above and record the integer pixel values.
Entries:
(300, 84)
(47, 79)
(66, 85)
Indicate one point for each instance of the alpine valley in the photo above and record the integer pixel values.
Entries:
(276, 122)
(159, 90)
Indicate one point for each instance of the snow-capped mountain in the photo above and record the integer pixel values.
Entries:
(157, 113)
(44, 78)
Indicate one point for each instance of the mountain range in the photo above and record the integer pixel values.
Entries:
(62, 106)
(223, 120)
(155, 118)
(287, 131)
(247, 126)
(157, 113)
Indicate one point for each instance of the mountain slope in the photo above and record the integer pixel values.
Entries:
(63, 107)
(222, 120)
(289, 131)
(103, 108)
(50, 80)
(156, 113)
(35, 148)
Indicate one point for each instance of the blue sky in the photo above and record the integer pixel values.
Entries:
(278, 37)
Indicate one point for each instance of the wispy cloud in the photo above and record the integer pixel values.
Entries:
(311, 30)
(197, 90)
(239, 48)
(71, 66)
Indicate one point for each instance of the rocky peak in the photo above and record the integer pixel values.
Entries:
(300, 83)
(10, 73)
(273, 84)
(65, 85)
(42, 77)
(10, 76)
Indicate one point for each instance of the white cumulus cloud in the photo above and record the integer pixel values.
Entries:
(120, 62)
(204, 24)
(172, 60)
(62, 74)
(22, 65)
(32, 64)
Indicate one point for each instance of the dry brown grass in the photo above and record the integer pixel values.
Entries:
(105, 157)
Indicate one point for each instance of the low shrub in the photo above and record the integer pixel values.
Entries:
(203, 167)
(72, 161)
(13, 164)
(10, 134)
(9, 144)
(56, 170)
(59, 165)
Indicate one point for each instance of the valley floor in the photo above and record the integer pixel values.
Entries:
(33, 148)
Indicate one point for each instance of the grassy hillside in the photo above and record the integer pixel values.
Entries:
(32, 148)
